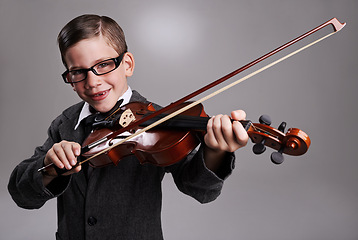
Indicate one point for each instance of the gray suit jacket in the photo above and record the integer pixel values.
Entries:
(117, 202)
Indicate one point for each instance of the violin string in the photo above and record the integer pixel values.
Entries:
(207, 97)
(258, 129)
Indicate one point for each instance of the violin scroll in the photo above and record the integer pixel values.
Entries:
(295, 142)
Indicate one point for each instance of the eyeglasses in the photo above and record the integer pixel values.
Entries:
(101, 68)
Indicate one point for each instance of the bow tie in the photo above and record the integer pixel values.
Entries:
(98, 119)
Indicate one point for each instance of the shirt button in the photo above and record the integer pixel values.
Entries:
(91, 221)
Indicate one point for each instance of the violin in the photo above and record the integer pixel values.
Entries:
(165, 136)
(172, 140)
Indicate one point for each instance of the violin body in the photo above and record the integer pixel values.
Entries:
(157, 146)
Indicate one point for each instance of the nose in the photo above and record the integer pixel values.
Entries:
(92, 80)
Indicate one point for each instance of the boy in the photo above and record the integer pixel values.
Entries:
(114, 202)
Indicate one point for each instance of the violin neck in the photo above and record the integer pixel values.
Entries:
(182, 122)
(185, 122)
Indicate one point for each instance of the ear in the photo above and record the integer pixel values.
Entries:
(128, 62)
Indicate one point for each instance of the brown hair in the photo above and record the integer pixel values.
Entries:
(88, 26)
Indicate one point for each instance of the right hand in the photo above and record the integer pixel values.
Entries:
(64, 155)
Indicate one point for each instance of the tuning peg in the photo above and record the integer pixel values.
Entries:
(277, 157)
(282, 127)
(259, 148)
(265, 119)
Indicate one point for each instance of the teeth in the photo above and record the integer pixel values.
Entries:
(100, 94)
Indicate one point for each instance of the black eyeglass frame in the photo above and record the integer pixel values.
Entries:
(117, 62)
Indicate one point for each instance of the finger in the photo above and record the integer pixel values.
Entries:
(219, 129)
(69, 155)
(74, 170)
(76, 149)
(59, 150)
(71, 150)
(238, 115)
(228, 134)
(51, 157)
(61, 155)
(63, 151)
(234, 134)
(209, 137)
(240, 133)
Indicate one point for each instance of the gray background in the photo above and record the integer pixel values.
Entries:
(182, 46)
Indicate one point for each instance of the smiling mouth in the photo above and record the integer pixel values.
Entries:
(99, 96)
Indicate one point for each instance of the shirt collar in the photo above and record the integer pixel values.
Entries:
(85, 112)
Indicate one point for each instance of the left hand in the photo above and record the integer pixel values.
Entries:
(224, 135)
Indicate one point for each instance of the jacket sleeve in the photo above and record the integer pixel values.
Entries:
(193, 178)
(25, 185)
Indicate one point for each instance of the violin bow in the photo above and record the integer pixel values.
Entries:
(334, 22)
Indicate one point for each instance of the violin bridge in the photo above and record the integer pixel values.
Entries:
(126, 118)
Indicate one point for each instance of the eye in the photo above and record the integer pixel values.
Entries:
(105, 65)
(77, 72)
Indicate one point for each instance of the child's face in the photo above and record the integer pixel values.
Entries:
(101, 92)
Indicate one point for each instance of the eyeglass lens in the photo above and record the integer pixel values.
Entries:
(98, 69)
